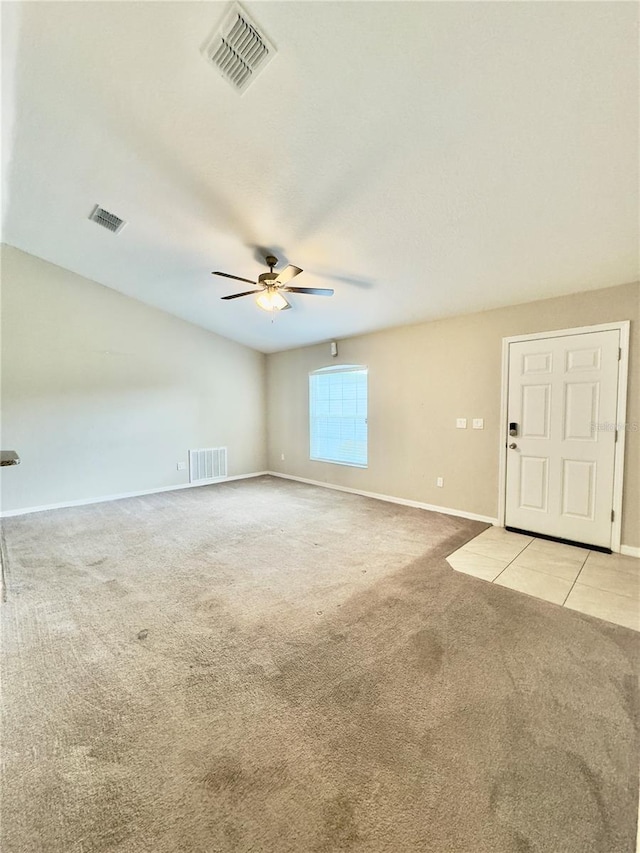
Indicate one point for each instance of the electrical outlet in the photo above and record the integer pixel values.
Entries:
(478, 423)
(461, 423)
(440, 482)
(181, 466)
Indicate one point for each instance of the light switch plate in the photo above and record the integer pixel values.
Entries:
(461, 423)
(181, 466)
(478, 423)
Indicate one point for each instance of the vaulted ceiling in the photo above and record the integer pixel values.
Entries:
(423, 159)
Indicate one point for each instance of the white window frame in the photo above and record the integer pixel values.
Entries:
(333, 369)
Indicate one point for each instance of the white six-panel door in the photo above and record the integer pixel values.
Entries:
(560, 466)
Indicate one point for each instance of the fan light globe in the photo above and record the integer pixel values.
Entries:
(271, 300)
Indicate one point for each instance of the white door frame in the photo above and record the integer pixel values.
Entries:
(621, 413)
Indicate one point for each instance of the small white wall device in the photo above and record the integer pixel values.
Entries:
(334, 348)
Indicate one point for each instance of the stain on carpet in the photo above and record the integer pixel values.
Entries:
(339, 825)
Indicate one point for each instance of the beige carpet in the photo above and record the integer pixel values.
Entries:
(268, 667)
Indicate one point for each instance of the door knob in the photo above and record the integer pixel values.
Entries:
(513, 446)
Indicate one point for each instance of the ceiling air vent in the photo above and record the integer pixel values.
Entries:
(107, 220)
(238, 50)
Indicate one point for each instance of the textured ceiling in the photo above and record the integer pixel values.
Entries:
(424, 159)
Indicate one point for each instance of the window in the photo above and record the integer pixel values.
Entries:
(338, 415)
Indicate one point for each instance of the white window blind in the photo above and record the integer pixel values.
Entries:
(338, 415)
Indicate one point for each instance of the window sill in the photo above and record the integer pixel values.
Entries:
(335, 462)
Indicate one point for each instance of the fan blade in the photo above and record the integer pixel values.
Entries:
(238, 295)
(284, 307)
(314, 291)
(287, 274)
(236, 277)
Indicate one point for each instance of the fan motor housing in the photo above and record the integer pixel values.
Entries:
(267, 278)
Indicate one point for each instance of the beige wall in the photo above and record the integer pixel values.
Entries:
(420, 379)
(103, 395)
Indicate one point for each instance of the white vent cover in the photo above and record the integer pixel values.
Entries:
(238, 50)
(207, 464)
(107, 220)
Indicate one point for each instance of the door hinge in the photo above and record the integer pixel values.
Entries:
(619, 353)
(613, 515)
(616, 438)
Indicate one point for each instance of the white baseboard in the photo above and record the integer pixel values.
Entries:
(390, 499)
(626, 550)
(87, 501)
(630, 551)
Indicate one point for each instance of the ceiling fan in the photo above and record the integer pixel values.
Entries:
(272, 285)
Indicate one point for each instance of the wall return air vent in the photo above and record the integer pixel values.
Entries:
(238, 50)
(207, 464)
(107, 220)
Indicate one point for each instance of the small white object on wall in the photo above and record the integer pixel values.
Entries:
(461, 423)
(478, 423)
(334, 348)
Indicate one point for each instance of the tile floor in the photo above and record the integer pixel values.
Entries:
(603, 585)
